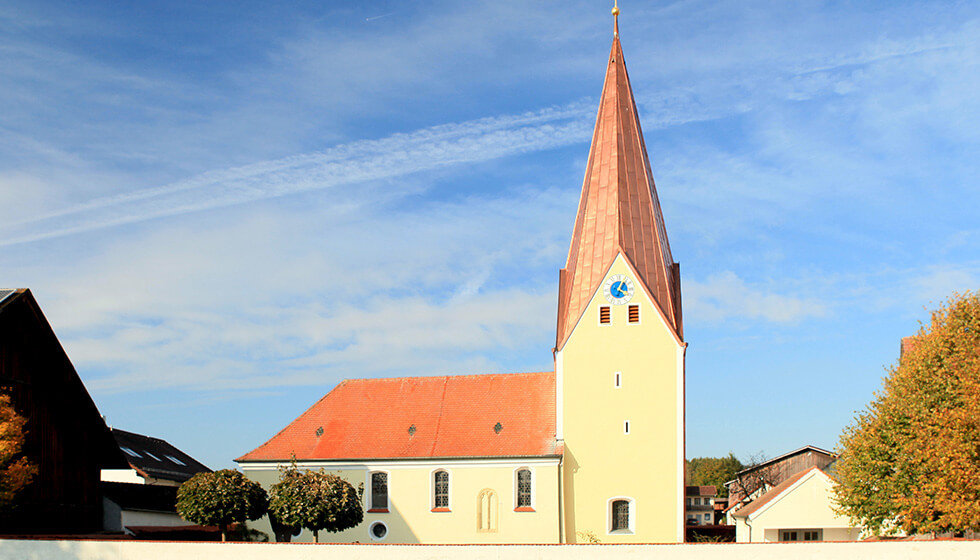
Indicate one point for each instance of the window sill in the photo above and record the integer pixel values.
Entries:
(378, 510)
(530, 509)
(620, 532)
(441, 510)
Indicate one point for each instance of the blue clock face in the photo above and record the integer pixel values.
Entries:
(618, 289)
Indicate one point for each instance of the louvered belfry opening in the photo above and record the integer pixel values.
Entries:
(634, 314)
(604, 315)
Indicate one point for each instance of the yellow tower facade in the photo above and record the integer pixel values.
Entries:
(619, 354)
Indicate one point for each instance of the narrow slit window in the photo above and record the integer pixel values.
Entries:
(626, 427)
(634, 314)
(619, 380)
(604, 315)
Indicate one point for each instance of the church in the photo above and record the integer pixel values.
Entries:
(590, 452)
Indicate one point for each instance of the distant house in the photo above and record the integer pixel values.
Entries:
(152, 461)
(144, 496)
(799, 508)
(754, 481)
(699, 505)
(66, 436)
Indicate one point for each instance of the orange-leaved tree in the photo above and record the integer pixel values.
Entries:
(911, 460)
(16, 471)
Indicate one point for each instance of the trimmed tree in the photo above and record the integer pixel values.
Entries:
(315, 500)
(16, 471)
(911, 460)
(221, 498)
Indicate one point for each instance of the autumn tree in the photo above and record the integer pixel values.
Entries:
(315, 500)
(221, 498)
(714, 471)
(16, 471)
(911, 460)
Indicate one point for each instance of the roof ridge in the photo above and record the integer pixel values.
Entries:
(451, 376)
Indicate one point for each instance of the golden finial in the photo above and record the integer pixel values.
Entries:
(615, 13)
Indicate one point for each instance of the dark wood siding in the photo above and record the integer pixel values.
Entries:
(66, 436)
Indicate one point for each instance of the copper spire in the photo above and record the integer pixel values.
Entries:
(619, 211)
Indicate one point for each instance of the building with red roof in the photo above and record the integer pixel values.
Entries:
(591, 451)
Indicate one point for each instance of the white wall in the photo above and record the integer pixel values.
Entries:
(132, 550)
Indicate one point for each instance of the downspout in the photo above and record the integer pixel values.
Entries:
(561, 512)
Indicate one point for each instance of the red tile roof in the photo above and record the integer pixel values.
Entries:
(772, 494)
(619, 212)
(423, 417)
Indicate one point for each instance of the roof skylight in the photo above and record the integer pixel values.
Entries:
(176, 460)
(130, 452)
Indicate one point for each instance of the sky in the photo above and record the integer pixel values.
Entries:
(226, 208)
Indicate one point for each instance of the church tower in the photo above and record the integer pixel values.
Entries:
(620, 350)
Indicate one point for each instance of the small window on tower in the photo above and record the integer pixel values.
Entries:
(604, 316)
(634, 312)
(619, 379)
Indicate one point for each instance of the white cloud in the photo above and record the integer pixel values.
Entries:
(726, 297)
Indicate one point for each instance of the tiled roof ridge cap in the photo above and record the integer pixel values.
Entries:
(450, 376)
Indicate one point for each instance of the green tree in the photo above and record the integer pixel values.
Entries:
(713, 471)
(315, 500)
(16, 471)
(221, 498)
(911, 460)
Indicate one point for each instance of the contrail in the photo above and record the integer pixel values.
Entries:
(356, 162)
(372, 18)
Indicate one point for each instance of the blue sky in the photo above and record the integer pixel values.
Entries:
(226, 209)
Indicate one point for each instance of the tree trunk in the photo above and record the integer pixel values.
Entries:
(316, 537)
(224, 532)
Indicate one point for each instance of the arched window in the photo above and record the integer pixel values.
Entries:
(524, 488)
(487, 505)
(440, 486)
(622, 515)
(379, 492)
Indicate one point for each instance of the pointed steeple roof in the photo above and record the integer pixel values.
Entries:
(619, 211)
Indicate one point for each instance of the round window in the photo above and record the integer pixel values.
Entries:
(378, 530)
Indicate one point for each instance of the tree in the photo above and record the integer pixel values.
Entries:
(911, 460)
(221, 498)
(714, 471)
(16, 471)
(315, 500)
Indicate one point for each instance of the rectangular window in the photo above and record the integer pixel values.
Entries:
(604, 315)
(379, 491)
(618, 379)
(697, 501)
(811, 535)
(442, 490)
(626, 427)
(789, 536)
(634, 313)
